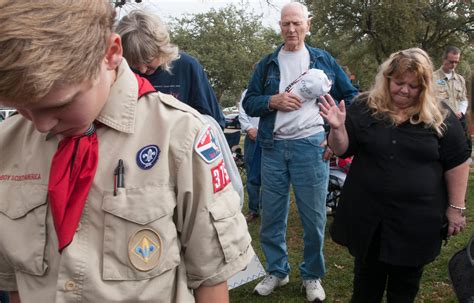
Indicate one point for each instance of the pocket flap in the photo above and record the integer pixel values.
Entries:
(140, 205)
(18, 200)
(223, 208)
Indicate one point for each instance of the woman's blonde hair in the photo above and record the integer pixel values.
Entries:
(427, 110)
(43, 42)
(144, 38)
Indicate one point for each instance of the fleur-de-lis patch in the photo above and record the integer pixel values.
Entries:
(147, 156)
(144, 249)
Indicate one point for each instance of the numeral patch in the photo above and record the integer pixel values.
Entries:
(220, 177)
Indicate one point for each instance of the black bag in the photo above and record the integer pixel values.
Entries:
(461, 273)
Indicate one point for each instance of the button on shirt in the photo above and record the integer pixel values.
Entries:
(168, 231)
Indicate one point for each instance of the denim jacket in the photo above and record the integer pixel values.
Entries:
(266, 80)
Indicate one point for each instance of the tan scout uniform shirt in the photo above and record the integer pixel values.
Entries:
(167, 231)
(451, 91)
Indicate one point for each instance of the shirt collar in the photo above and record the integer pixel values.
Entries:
(119, 112)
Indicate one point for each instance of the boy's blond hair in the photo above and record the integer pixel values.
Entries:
(428, 109)
(47, 42)
(144, 38)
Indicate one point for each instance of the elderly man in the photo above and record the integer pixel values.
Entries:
(451, 86)
(292, 137)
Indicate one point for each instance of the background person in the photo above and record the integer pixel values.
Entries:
(148, 50)
(249, 126)
(69, 230)
(292, 138)
(451, 86)
(409, 174)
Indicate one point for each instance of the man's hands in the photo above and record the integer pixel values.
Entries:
(252, 133)
(327, 151)
(285, 102)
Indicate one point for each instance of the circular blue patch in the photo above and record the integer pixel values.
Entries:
(147, 156)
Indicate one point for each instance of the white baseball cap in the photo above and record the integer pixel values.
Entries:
(310, 85)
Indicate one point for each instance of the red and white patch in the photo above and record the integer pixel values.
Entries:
(206, 146)
(220, 177)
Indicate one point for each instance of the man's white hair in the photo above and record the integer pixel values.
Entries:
(304, 9)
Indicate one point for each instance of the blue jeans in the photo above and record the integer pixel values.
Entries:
(4, 297)
(299, 162)
(253, 188)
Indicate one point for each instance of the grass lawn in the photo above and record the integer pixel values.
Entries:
(435, 286)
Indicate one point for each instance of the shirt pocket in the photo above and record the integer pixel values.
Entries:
(23, 212)
(230, 226)
(140, 237)
(458, 91)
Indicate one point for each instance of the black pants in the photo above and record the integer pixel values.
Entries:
(372, 277)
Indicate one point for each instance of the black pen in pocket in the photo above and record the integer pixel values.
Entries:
(119, 176)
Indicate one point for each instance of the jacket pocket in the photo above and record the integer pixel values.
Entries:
(23, 212)
(140, 237)
(228, 222)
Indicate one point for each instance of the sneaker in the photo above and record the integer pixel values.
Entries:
(314, 290)
(269, 283)
(251, 216)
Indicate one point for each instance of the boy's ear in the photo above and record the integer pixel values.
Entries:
(113, 55)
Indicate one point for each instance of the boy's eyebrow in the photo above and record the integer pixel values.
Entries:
(60, 102)
(66, 100)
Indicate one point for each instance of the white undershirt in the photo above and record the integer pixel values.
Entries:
(305, 121)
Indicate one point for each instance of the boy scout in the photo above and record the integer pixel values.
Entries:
(451, 87)
(109, 192)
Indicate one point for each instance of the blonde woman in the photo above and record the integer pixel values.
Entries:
(407, 179)
(149, 51)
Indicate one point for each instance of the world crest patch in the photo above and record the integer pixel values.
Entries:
(206, 146)
(147, 156)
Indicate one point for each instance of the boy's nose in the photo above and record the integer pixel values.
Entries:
(43, 123)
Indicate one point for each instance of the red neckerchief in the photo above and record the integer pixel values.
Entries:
(144, 86)
(72, 172)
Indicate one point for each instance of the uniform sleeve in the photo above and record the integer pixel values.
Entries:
(7, 276)
(454, 149)
(213, 232)
(463, 96)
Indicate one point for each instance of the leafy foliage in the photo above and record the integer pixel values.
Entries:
(227, 42)
(363, 33)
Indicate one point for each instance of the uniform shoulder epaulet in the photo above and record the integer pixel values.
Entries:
(175, 103)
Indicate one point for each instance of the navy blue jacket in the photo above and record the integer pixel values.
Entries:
(188, 83)
(265, 83)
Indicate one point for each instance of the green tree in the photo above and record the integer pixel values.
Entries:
(363, 33)
(227, 42)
